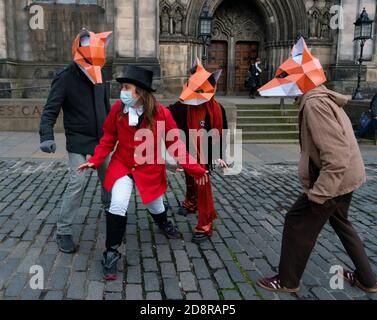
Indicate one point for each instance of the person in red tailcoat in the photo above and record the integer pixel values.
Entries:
(135, 127)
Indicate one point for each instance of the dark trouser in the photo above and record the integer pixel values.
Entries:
(253, 91)
(303, 223)
(254, 88)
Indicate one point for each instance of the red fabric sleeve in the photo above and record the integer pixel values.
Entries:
(184, 159)
(109, 138)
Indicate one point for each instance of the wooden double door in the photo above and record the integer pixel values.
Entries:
(218, 59)
(234, 61)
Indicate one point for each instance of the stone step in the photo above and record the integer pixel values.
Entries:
(268, 123)
(272, 141)
(266, 113)
(268, 127)
(277, 119)
(268, 135)
(265, 107)
(366, 141)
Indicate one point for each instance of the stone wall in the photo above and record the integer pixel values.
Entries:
(24, 114)
(175, 66)
(34, 55)
(343, 71)
(29, 58)
(162, 35)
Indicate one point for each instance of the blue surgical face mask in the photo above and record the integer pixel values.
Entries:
(127, 99)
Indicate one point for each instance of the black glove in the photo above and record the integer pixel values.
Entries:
(48, 146)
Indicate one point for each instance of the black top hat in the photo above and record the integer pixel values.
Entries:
(138, 76)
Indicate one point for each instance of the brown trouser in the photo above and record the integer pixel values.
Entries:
(303, 223)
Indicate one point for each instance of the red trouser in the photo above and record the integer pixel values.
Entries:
(200, 198)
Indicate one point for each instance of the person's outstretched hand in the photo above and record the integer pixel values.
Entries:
(203, 179)
(85, 166)
(222, 164)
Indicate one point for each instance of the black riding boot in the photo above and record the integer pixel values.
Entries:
(115, 228)
(165, 225)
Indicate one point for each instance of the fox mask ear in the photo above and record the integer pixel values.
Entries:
(105, 37)
(217, 74)
(298, 48)
(197, 63)
(300, 52)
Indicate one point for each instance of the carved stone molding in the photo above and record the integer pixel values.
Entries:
(319, 18)
(172, 18)
(238, 22)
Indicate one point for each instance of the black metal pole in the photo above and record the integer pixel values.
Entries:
(358, 95)
(205, 53)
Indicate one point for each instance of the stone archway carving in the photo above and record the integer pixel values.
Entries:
(237, 22)
(276, 14)
(319, 21)
(172, 18)
(220, 31)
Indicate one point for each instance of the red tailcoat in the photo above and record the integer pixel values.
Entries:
(150, 178)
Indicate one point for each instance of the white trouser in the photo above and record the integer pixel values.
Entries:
(121, 194)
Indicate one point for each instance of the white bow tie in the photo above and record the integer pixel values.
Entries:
(133, 114)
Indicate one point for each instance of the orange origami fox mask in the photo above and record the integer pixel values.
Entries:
(201, 86)
(297, 75)
(89, 52)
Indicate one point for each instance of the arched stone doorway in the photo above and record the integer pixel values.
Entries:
(244, 29)
(266, 28)
(237, 39)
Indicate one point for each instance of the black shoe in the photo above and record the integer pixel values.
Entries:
(199, 237)
(65, 243)
(166, 226)
(109, 265)
(184, 212)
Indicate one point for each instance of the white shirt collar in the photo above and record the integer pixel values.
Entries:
(133, 114)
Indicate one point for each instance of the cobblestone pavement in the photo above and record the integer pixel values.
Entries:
(245, 245)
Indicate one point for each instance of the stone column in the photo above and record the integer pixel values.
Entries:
(136, 35)
(148, 29)
(4, 69)
(124, 29)
(344, 72)
(3, 32)
(231, 72)
(346, 48)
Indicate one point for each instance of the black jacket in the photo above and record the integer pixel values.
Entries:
(85, 108)
(179, 113)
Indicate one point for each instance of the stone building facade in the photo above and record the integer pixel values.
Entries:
(163, 35)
